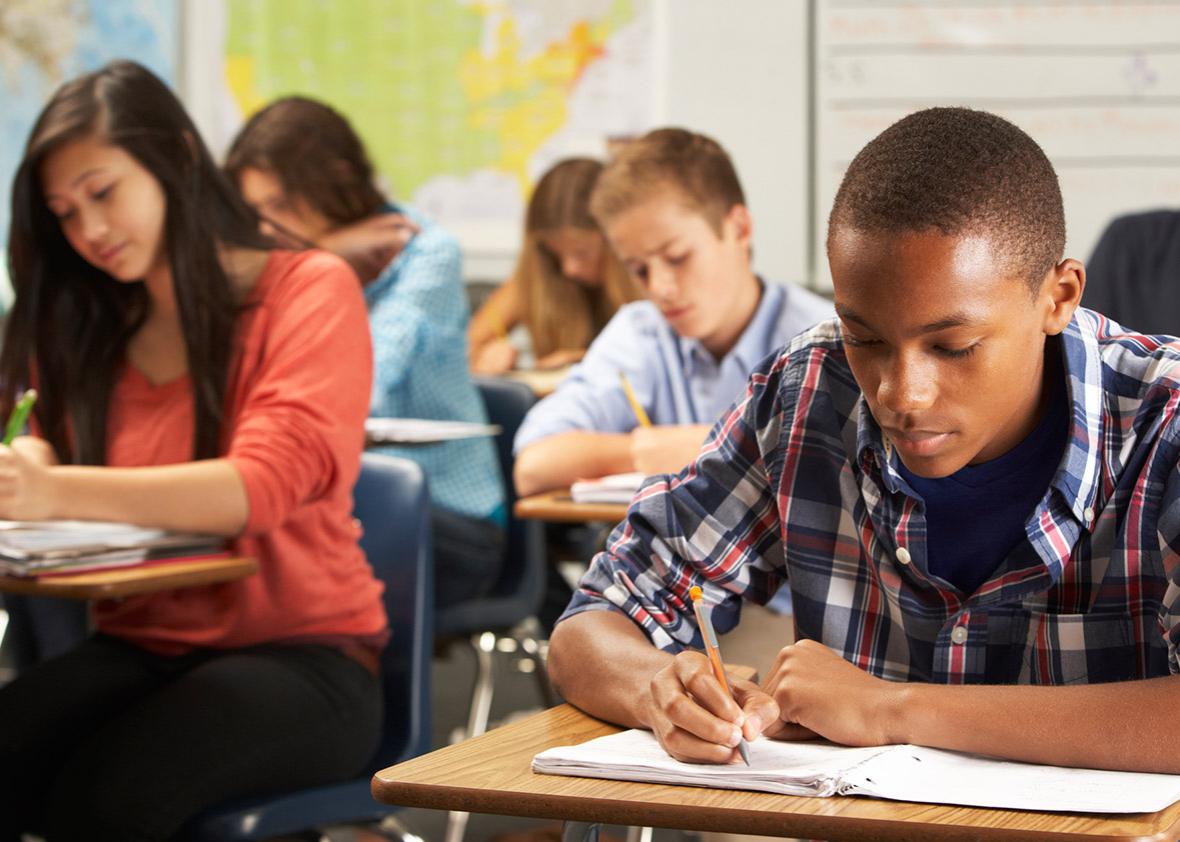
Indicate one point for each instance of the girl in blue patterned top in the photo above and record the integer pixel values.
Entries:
(301, 165)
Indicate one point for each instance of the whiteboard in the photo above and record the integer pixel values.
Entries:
(1096, 84)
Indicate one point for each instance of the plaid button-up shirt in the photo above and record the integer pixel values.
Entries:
(795, 485)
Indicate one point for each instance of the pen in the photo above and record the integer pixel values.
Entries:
(20, 414)
(710, 638)
(640, 414)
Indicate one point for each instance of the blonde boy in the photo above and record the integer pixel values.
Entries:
(673, 210)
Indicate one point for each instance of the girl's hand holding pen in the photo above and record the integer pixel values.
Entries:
(25, 481)
(693, 717)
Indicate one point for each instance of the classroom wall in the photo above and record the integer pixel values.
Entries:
(738, 72)
(742, 72)
(735, 72)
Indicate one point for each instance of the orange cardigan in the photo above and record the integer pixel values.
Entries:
(296, 402)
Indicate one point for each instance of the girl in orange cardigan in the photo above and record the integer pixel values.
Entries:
(192, 379)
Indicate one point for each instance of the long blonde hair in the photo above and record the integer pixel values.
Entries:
(558, 311)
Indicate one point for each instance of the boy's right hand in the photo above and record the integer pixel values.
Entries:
(693, 717)
(666, 448)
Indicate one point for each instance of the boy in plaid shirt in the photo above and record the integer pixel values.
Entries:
(968, 483)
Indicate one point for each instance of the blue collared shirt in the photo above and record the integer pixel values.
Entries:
(795, 486)
(418, 316)
(675, 379)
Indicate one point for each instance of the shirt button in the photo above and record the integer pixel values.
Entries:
(903, 555)
(1088, 514)
(959, 635)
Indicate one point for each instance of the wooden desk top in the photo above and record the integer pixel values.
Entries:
(491, 774)
(128, 581)
(559, 507)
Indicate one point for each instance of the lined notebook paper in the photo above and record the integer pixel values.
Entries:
(614, 488)
(900, 772)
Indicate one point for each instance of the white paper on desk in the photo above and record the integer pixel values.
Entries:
(30, 539)
(613, 488)
(423, 430)
(804, 768)
(29, 548)
(916, 773)
(901, 772)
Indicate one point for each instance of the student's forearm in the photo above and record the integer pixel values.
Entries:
(498, 315)
(601, 662)
(556, 461)
(1123, 725)
(204, 496)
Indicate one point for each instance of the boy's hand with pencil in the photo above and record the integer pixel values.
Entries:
(666, 449)
(700, 714)
(696, 720)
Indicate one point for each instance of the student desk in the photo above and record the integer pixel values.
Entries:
(559, 507)
(129, 581)
(491, 774)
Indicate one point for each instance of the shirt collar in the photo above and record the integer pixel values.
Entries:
(1078, 475)
(756, 340)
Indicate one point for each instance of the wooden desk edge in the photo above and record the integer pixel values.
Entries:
(130, 581)
(559, 507)
(664, 806)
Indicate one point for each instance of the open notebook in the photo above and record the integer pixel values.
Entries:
(614, 488)
(901, 772)
(29, 548)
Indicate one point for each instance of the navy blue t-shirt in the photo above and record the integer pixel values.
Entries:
(976, 516)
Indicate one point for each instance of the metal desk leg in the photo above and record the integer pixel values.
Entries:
(580, 832)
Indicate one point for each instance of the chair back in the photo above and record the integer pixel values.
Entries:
(392, 502)
(518, 591)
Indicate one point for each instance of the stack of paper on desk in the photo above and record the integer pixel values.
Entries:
(901, 772)
(615, 488)
(28, 548)
(423, 430)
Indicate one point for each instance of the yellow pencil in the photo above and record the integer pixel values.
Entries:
(709, 636)
(640, 414)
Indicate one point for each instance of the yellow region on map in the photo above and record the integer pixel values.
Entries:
(434, 87)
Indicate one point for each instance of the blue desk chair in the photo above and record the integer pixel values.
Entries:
(506, 618)
(392, 503)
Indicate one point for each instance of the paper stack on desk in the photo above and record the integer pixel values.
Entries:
(901, 772)
(615, 488)
(423, 430)
(30, 548)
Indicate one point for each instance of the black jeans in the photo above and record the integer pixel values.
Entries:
(467, 556)
(111, 742)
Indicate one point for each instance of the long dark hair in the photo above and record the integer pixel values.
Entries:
(71, 322)
(314, 153)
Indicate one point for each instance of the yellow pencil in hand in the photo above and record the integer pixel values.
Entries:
(640, 414)
(709, 636)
